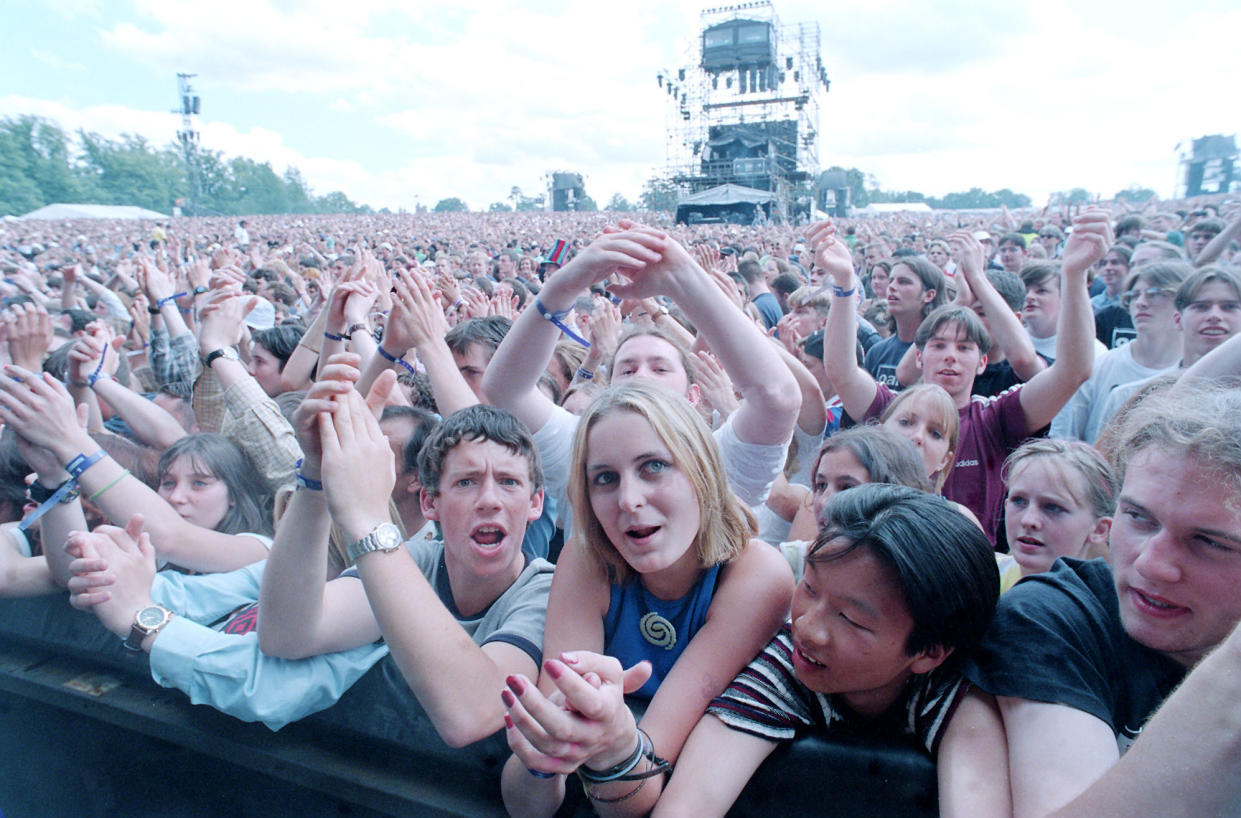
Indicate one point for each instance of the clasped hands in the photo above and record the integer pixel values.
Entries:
(583, 721)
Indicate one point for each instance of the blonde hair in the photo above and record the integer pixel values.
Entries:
(950, 416)
(726, 525)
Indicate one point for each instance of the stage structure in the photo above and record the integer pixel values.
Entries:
(565, 190)
(1212, 167)
(744, 108)
(187, 139)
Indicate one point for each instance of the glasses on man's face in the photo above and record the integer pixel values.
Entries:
(1153, 295)
(1048, 236)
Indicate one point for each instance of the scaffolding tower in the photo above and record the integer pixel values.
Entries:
(744, 107)
(188, 106)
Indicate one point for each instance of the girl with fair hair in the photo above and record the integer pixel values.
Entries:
(663, 594)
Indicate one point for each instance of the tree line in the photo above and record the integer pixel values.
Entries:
(41, 164)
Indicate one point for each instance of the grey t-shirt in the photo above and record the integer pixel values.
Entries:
(516, 617)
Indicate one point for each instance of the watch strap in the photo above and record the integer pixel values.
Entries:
(138, 632)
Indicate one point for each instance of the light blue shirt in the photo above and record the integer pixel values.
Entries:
(228, 671)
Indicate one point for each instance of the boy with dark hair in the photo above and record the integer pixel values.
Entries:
(1012, 252)
(472, 343)
(459, 615)
(880, 621)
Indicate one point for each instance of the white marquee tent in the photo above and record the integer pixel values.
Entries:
(92, 211)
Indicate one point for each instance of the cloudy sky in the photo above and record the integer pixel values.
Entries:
(397, 102)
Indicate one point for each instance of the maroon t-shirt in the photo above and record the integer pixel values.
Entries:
(990, 429)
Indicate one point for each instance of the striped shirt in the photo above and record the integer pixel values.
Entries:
(768, 701)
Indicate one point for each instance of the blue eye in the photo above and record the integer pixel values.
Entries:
(654, 466)
(604, 478)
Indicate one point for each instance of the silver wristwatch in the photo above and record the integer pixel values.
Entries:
(384, 537)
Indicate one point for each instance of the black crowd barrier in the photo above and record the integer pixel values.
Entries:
(85, 730)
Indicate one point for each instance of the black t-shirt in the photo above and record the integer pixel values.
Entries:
(1057, 637)
(882, 358)
(1113, 326)
(996, 378)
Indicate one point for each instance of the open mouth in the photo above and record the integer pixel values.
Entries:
(641, 532)
(1156, 605)
(806, 658)
(1028, 544)
(487, 536)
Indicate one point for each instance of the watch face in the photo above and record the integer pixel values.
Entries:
(150, 617)
(388, 536)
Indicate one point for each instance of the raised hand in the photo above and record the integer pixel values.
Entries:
(38, 408)
(221, 320)
(586, 721)
(830, 253)
(1089, 241)
(715, 385)
(416, 319)
(29, 330)
(358, 467)
(95, 353)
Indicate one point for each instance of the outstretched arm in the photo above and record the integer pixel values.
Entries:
(1048, 391)
(41, 411)
(1006, 329)
(769, 396)
(511, 380)
(303, 613)
(854, 385)
(454, 679)
(713, 769)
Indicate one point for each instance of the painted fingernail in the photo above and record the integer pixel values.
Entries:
(515, 684)
(508, 722)
(569, 658)
(508, 699)
(553, 668)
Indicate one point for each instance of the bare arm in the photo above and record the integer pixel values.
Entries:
(1054, 754)
(713, 769)
(854, 385)
(972, 763)
(1048, 391)
(1185, 762)
(1220, 243)
(1006, 329)
(41, 411)
(512, 377)
(769, 398)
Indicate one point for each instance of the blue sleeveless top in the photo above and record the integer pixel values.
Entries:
(634, 612)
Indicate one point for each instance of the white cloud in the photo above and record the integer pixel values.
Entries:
(52, 61)
(473, 98)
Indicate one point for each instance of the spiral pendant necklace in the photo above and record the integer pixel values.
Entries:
(654, 627)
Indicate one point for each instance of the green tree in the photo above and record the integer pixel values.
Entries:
(18, 191)
(451, 205)
(500, 207)
(659, 194)
(130, 172)
(1134, 193)
(587, 205)
(619, 204)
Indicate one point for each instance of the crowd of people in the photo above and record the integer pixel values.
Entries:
(652, 499)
